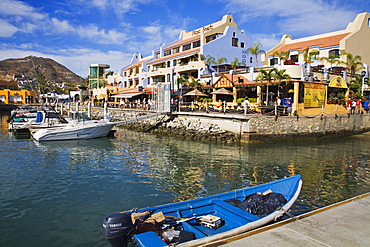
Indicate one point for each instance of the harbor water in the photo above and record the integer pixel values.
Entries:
(58, 193)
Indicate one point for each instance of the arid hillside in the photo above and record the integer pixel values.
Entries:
(31, 66)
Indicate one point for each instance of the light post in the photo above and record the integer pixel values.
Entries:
(365, 79)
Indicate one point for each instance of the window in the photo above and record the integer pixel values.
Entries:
(235, 42)
(273, 61)
(368, 22)
(174, 62)
(234, 34)
(251, 60)
(168, 64)
(157, 55)
(294, 58)
(167, 53)
(242, 45)
(186, 47)
(334, 53)
(196, 44)
(175, 50)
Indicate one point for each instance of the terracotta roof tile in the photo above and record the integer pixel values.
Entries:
(183, 53)
(189, 40)
(135, 64)
(319, 43)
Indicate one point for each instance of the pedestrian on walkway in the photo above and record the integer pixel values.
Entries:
(366, 106)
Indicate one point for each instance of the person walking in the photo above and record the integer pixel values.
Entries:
(366, 106)
(349, 106)
(245, 105)
(358, 106)
(353, 108)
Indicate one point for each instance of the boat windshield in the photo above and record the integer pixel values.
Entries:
(80, 116)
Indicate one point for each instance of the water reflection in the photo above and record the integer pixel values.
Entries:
(65, 188)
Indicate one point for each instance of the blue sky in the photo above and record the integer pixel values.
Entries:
(77, 33)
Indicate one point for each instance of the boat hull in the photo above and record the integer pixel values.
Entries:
(73, 132)
(235, 220)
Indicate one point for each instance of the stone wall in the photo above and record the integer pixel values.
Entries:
(250, 128)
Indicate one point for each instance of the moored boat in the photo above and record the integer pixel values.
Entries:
(79, 127)
(204, 220)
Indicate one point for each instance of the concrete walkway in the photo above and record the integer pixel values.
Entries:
(343, 224)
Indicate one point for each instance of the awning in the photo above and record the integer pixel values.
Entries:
(223, 91)
(101, 96)
(127, 95)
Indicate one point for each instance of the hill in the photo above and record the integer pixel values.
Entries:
(31, 66)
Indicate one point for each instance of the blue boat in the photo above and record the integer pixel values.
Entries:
(203, 220)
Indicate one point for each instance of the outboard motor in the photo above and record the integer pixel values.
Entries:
(118, 228)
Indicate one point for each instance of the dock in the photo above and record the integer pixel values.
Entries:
(346, 223)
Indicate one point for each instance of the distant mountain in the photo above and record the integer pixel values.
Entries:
(31, 66)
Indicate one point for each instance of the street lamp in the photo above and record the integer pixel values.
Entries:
(363, 74)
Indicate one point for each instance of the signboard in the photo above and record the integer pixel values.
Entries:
(314, 95)
(338, 82)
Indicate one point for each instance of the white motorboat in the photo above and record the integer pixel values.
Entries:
(80, 127)
(37, 119)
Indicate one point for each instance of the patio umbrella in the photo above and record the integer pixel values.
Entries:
(195, 92)
(222, 91)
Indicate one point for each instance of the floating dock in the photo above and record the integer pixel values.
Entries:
(345, 223)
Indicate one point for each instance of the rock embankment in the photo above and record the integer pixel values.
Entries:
(183, 128)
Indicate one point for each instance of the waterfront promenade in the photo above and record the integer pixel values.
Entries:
(343, 224)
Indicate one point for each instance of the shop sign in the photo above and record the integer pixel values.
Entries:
(338, 82)
(202, 30)
(314, 95)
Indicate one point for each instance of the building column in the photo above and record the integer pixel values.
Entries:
(259, 95)
(295, 97)
(235, 94)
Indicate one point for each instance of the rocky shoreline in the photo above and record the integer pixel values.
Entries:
(240, 128)
(195, 130)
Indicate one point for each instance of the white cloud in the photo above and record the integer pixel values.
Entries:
(289, 16)
(18, 8)
(7, 29)
(77, 60)
(267, 40)
(61, 26)
(101, 36)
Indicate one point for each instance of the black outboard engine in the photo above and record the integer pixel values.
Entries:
(118, 228)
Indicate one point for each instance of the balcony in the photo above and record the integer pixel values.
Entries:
(195, 65)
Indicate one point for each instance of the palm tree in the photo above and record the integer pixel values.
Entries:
(282, 55)
(353, 63)
(194, 83)
(182, 82)
(220, 60)
(255, 50)
(43, 84)
(280, 75)
(332, 59)
(235, 64)
(266, 75)
(208, 61)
